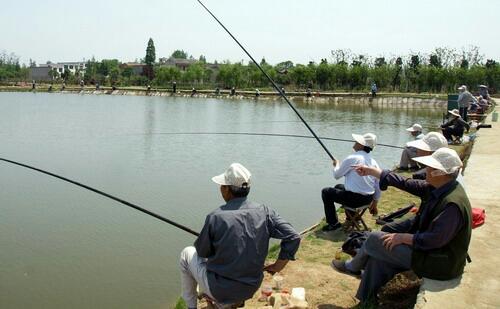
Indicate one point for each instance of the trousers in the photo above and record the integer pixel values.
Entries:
(193, 274)
(340, 195)
(406, 158)
(379, 264)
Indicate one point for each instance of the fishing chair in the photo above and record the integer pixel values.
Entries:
(354, 218)
(212, 303)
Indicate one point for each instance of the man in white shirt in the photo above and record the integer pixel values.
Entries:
(357, 190)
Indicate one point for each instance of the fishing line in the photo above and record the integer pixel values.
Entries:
(157, 216)
(271, 80)
(266, 134)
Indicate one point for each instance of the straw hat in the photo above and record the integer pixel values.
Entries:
(454, 112)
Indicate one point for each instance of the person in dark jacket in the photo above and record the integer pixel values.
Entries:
(455, 127)
(433, 244)
(227, 260)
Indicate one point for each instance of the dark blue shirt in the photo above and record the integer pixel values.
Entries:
(444, 227)
(235, 241)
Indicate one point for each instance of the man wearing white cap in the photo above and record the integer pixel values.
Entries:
(436, 243)
(409, 152)
(464, 99)
(357, 190)
(483, 92)
(426, 146)
(455, 127)
(227, 260)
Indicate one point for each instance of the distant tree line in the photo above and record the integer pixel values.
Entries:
(10, 69)
(440, 71)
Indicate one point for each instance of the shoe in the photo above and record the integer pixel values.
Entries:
(331, 227)
(339, 266)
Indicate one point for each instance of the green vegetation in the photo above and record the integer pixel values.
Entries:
(180, 304)
(10, 69)
(441, 71)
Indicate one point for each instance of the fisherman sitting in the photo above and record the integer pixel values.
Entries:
(409, 152)
(435, 244)
(454, 128)
(483, 92)
(358, 190)
(227, 260)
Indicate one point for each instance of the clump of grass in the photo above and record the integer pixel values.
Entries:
(273, 252)
(180, 304)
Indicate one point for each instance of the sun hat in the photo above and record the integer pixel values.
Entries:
(483, 86)
(443, 159)
(415, 128)
(431, 141)
(236, 175)
(463, 87)
(368, 139)
(454, 112)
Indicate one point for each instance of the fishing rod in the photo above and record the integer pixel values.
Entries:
(157, 216)
(271, 80)
(266, 134)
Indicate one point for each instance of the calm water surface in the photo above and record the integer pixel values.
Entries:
(65, 247)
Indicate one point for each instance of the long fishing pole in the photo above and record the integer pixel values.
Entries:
(271, 80)
(266, 134)
(157, 216)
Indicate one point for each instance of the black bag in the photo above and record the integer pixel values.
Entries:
(354, 241)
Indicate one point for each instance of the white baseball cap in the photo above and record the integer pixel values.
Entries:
(431, 141)
(415, 128)
(463, 87)
(236, 175)
(368, 139)
(443, 159)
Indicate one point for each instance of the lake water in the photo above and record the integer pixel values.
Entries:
(65, 247)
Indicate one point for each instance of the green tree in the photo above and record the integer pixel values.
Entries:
(179, 54)
(150, 53)
(164, 76)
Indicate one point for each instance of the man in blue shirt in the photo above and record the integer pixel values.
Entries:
(357, 190)
(227, 260)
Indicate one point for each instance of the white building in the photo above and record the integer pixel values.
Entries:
(42, 72)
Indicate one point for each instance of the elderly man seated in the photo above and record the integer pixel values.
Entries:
(227, 260)
(410, 152)
(434, 244)
(454, 128)
(357, 190)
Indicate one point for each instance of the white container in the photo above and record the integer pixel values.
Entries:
(278, 282)
(299, 293)
(494, 117)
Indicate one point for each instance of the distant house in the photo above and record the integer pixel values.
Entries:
(181, 64)
(137, 68)
(42, 72)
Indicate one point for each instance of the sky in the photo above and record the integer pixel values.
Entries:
(277, 30)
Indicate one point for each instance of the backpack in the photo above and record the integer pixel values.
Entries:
(354, 241)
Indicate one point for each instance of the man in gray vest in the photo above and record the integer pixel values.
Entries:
(227, 260)
(435, 244)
